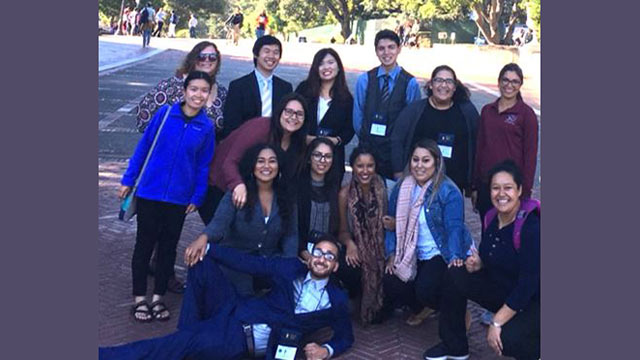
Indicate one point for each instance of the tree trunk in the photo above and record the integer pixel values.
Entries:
(343, 15)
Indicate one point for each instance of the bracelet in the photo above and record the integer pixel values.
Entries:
(495, 324)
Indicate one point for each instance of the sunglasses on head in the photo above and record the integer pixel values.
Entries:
(208, 56)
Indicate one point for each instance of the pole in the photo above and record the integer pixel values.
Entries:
(119, 32)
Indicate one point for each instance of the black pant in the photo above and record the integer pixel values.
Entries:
(520, 336)
(158, 31)
(210, 204)
(159, 222)
(424, 290)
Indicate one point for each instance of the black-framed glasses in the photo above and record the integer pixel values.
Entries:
(514, 82)
(208, 56)
(329, 256)
(290, 112)
(439, 81)
(318, 156)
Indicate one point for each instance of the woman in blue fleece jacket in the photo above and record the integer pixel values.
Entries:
(173, 184)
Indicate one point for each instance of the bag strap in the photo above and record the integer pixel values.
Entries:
(153, 145)
(526, 207)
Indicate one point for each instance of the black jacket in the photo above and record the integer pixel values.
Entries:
(244, 103)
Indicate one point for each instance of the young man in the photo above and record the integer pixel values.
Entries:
(254, 94)
(381, 94)
(216, 323)
(147, 23)
(235, 21)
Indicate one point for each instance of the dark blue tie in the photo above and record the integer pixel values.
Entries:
(385, 89)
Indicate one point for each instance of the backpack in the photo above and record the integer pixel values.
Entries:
(144, 16)
(526, 207)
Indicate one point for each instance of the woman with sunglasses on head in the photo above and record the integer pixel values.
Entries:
(446, 116)
(172, 185)
(427, 214)
(508, 129)
(503, 276)
(330, 102)
(317, 184)
(362, 205)
(266, 225)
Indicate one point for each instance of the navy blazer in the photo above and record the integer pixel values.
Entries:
(244, 101)
(230, 228)
(277, 307)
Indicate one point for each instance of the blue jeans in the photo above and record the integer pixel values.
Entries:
(146, 37)
(259, 33)
(192, 32)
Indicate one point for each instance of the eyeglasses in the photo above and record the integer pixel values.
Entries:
(208, 56)
(439, 81)
(329, 256)
(318, 156)
(290, 112)
(514, 82)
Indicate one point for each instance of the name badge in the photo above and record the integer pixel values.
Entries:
(378, 129)
(445, 143)
(285, 352)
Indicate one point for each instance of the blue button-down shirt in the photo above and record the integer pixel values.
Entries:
(309, 295)
(413, 92)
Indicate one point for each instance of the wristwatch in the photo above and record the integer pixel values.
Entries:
(495, 324)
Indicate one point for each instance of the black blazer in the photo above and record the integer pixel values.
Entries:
(244, 102)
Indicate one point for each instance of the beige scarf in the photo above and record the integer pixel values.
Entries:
(407, 214)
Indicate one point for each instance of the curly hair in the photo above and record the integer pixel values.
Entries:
(461, 94)
(247, 167)
(189, 62)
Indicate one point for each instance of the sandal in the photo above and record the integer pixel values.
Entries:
(158, 309)
(141, 308)
(417, 319)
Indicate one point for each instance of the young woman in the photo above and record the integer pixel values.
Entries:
(173, 184)
(445, 116)
(203, 57)
(265, 226)
(503, 277)
(330, 102)
(317, 186)
(430, 235)
(363, 205)
(285, 130)
(508, 129)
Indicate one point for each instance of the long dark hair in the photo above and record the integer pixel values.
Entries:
(247, 166)
(460, 95)
(298, 138)
(339, 90)
(331, 181)
(516, 69)
(439, 174)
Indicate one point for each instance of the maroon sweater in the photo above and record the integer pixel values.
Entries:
(511, 134)
(224, 173)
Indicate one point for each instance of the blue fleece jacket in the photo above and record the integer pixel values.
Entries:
(179, 165)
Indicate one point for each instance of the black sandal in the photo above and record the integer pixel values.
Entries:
(157, 314)
(139, 308)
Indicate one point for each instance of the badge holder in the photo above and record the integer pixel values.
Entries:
(288, 344)
(445, 143)
(378, 125)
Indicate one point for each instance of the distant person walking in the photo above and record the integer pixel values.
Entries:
(146, 23)
(133, 25)
(173, 21)
(193, 22)
(235, 21)
(160, 17)
(262, 20)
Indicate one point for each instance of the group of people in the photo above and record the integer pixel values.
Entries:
(148, 22)
(285, 233)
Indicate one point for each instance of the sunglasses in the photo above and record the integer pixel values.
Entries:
(208, 56)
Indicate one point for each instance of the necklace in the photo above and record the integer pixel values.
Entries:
(440, 107)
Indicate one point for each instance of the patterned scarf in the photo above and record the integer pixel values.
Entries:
(365, 221)
(407, 214)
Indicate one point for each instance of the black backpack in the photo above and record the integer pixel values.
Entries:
(144, 16)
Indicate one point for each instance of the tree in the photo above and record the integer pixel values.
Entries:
(495, 18)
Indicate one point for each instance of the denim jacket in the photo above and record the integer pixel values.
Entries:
(445, 217)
